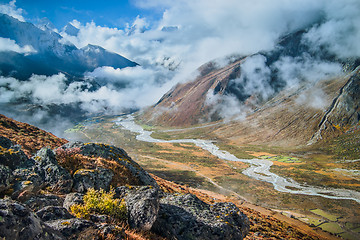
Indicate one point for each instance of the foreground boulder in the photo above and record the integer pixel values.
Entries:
(53, 213)
(71, 228)
(19, 222)
(5, 178)
(187, 217)
(56, 176)
(142, 206)
(73, 198)
(11, 155)
(40, 201)
(99, 178)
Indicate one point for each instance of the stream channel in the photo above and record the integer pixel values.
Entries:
(259, 168)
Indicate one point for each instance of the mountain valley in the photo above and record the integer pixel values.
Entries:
(232, 120)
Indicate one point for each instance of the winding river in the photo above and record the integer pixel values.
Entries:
(259, 168)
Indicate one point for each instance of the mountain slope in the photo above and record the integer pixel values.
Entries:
(29, 137)
(185, 103)
(51, 55)
(285, 96)
(286, 120)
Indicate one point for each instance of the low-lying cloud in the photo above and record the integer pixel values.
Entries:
(7, 44)
(121, 89)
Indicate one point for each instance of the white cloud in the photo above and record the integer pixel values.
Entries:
(340, 32)
(11, 10)
(143, 88)
(314, 98)
(226, 106)
(294, 71)
(7, 44)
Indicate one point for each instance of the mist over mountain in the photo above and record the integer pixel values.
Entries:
(285, 44)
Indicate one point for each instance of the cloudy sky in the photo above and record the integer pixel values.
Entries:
(111, 13)
(171, 39)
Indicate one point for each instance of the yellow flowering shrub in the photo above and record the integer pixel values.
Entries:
(100, 202)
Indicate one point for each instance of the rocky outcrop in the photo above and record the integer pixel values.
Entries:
(19, 222)
(187, 217)
(53, 213)
(142, 206)
(67, 174)
(71, 228)
(99, 178)
(125, 170)
(54, 175)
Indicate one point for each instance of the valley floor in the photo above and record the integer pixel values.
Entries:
(191, 166)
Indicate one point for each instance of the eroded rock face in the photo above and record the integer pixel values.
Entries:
(56, 176)
(143, 207)
(73, 198)
(11, 155)
(40, 201)
(187, 217)
(71, 228)
(53, 213)
(98, 178)
(5, 178)
(18, 222)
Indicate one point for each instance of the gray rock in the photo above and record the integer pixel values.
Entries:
(117, 154)
(142, 207)
(187, 217)
(71, 228)
(5, 142)
(57, 177)
(98, 178)
(18, 222)
(11, 155)
(5, 179)
(27, 179)
(73, 198)
(38, 202)
(53, 213)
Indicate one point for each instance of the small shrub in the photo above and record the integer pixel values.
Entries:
(70, 159)
(101, 202)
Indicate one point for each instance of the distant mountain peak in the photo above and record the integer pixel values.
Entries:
(71, 30)
(52, 54)
(45, 24)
